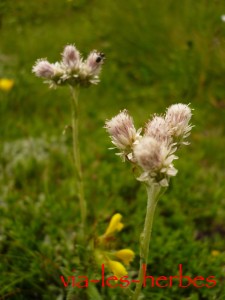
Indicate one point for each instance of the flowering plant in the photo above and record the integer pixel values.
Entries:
(152, 153)
(75, 72)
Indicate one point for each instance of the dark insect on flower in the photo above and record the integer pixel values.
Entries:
(101, 56)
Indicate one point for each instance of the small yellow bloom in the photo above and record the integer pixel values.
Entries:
(126, 255)
(6, 84)
(215, 252)
(117, 268)
(114, 225)
(103, 255)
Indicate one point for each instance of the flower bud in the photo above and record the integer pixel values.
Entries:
(122, 131)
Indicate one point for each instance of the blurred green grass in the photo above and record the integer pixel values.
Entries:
(158, 53)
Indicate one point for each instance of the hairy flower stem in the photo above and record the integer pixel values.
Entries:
(77, 160)
(153, 192)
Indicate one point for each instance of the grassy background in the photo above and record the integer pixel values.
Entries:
(158, 53)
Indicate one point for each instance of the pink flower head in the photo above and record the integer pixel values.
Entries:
(43, 68)
(94, 62)
(71, 57)
(122, 130)
(177, 119)
(155, 159)
(123, 133)
(158, 129)
(148, 154)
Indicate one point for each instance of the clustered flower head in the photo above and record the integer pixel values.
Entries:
(72, 69)
(152, 152)
(114, 260)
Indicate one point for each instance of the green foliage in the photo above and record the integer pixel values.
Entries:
(158, 53)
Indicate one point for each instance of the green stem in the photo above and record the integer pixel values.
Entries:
(153, 192)
(77, 160)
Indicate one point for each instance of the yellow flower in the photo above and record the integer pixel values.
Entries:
(102, 252)
(117, 268)
(6, 84)
(114, 225)
(126, 255)
(215, 252)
